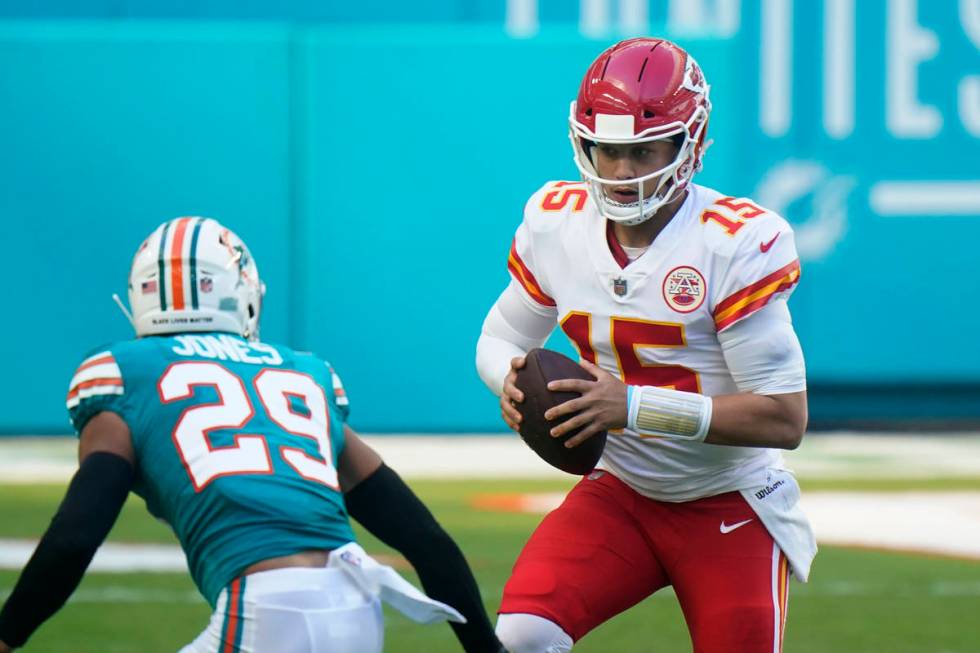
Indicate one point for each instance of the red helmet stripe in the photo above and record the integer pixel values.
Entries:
(177, 263)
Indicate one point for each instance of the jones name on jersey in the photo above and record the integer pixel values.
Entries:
(236, 443)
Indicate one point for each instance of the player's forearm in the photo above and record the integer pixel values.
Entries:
(742, 420)
(493, 356)
(93, 501)
(752, 420)
(511, 329)
(390, 511)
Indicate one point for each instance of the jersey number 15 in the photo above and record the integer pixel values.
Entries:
(627, 335)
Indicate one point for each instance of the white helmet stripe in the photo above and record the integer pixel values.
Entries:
(161, 262)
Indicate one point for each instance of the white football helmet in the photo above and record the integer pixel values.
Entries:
(192, 274)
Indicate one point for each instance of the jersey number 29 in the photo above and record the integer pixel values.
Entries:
(234, 409)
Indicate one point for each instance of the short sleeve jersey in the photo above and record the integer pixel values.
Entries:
(236, 444)
(655, 320)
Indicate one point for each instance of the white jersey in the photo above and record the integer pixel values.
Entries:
(655, 320)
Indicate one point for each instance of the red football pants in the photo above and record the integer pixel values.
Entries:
(606, 548)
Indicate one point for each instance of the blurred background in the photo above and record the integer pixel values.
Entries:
(376, 157)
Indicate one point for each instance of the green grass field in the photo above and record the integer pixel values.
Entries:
(857, 601)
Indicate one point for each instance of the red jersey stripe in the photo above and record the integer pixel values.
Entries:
(101, 360)
(735, 297)
(615, 248)
(113, 381)
(231, 626)
(526, 278)
(754, 303)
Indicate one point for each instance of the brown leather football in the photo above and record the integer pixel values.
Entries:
(542, 366)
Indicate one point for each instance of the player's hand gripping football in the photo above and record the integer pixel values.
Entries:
(602, 406)
(512, 395)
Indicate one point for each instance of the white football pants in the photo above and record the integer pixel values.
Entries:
(293, 610)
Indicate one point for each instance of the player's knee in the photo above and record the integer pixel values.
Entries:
(748, 627)
(528, 633)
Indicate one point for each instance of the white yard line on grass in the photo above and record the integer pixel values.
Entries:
(837, 455)
(944, 523)
(128, 595)
(938, 523)
(112, 557)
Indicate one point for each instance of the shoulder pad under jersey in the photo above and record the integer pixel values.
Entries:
(96, 385)
(554, 201)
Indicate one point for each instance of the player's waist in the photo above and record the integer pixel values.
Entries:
(316, 558)
(667, 474)
(297, 588)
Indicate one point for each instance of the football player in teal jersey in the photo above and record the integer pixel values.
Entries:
(242, 448)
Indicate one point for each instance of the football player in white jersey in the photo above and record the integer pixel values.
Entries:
(675, 297)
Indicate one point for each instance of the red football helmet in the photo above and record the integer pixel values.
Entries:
(641, 90)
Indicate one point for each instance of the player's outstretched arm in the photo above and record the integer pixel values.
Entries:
(381, 502)
(91, 505)
(753, 420)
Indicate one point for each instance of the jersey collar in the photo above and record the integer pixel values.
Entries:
(664, 241)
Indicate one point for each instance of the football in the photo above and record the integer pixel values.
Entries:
(542, 366)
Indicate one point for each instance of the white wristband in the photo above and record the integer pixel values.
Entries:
(668, 413)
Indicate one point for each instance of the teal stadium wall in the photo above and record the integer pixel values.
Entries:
(378, 173)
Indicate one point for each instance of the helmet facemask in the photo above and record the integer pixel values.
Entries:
(668, 181)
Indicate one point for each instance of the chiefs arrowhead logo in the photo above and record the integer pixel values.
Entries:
(684, 289)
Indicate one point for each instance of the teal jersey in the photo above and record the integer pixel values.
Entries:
(236, 444)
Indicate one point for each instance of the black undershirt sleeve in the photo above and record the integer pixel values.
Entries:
(390, 511)
(91, 505)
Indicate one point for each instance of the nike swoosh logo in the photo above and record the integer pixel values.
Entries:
(725, 528)
(765, 247)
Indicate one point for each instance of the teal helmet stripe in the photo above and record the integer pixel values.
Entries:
(162, 262)
(193, 257)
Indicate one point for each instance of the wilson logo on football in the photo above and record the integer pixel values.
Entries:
(684, 289)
